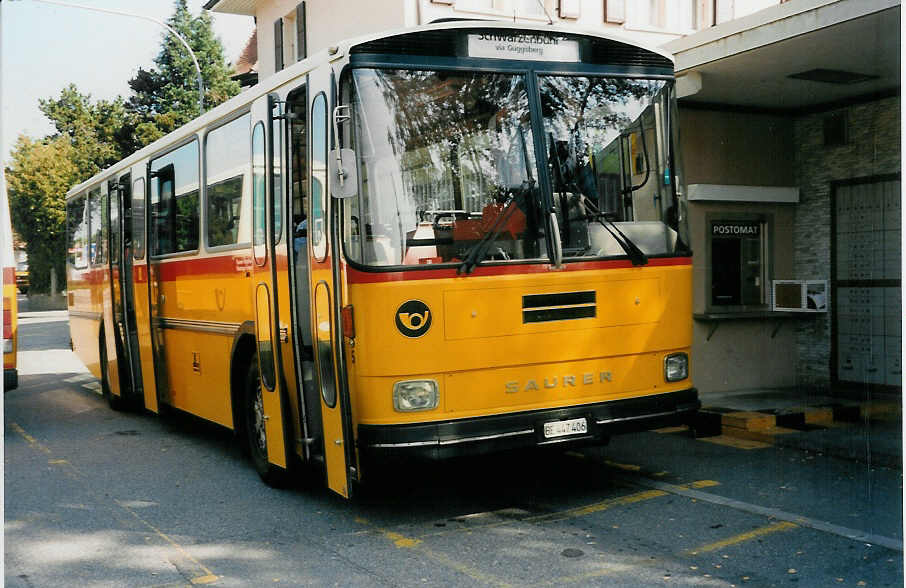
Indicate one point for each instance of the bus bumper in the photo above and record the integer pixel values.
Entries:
(10, 379)
(454, 438)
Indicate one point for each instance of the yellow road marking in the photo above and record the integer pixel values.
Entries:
(598, 507)
(736, 442)
(462, 568)
(207, 578)
(623, 466)
(743, 537)
(28, 438)
(400, 540)
(702, 484)
(667, 430)
(565, 581)
(403, 542)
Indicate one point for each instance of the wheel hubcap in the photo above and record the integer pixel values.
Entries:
(258, 412)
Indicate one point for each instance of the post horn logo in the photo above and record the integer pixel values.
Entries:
(413, 318)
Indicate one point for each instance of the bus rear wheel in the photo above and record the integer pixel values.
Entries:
(255, 430)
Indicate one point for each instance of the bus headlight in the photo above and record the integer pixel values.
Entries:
(676, 367)
(7, 346)
(415, 395)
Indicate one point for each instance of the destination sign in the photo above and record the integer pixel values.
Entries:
(523, 47)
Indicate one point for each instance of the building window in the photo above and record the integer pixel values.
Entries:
(834, 126)
(278, 44)
(301, 42)
(738, 266)
(615, 11)
(521, 8)
(724, 10)
(666, 15)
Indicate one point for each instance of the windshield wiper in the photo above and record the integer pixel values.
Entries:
(636, 255)
(479, 250)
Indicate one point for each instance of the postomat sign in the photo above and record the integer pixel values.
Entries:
(735, 229)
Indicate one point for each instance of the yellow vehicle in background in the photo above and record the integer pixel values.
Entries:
(22, 276)
(8, 304)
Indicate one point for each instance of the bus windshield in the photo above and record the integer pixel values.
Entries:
(449, 171)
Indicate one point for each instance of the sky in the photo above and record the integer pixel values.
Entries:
(45, 47)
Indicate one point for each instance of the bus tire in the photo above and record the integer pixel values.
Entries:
(117, 403)
(254, 425)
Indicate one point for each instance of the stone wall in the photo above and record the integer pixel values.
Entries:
(872, 148)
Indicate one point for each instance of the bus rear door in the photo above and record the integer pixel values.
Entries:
(111, 346)
(121, 286)
(274, 407)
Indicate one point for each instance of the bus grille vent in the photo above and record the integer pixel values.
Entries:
(562, 306)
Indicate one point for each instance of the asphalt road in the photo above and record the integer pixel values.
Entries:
(98, 498)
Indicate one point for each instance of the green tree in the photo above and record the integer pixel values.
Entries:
(39, 174)
(166, 96)
(101, 132)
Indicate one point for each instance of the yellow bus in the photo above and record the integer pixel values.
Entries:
(8, 304)
(450, 240)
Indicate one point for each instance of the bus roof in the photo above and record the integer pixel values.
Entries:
(330, 54)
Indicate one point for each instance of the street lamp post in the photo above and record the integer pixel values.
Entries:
(154, 20)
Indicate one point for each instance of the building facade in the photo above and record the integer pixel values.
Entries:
(791, 129)
(289, 30)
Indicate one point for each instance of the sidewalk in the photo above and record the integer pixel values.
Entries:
(846, 423)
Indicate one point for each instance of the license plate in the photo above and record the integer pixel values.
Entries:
(564, 428)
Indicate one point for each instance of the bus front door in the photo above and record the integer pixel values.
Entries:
(327, 339)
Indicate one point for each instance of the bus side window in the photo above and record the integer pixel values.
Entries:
(174, 201)
(113, 197)
(276, 152)
(77, 232)
(316, 226)
(227, 191)
(259, 212)
(96, 225)
(138, 219)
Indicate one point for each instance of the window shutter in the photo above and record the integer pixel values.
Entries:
(301, 48)
(278, 45)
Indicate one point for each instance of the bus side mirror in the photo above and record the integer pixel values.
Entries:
(341, 171)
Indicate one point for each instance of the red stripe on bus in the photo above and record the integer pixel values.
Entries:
(355, 276)
(227, 264)
(9, 275)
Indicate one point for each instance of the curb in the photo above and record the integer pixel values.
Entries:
(778, 427)
(718, 420)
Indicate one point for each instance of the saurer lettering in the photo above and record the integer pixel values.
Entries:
(567, 381)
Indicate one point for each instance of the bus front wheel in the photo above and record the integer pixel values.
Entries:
(255, 430)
